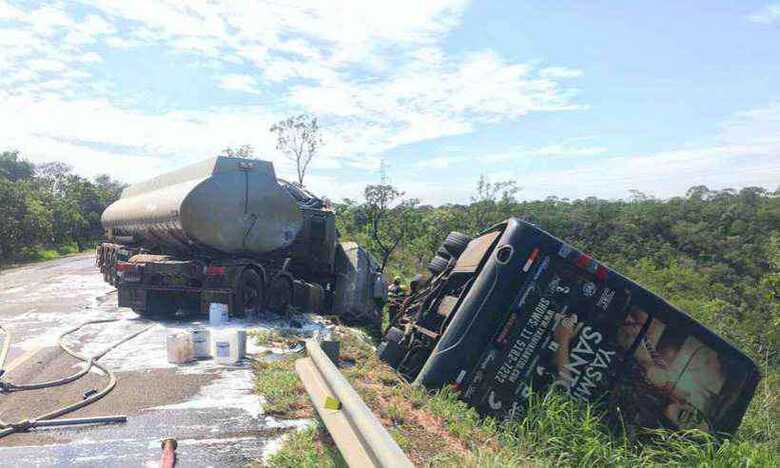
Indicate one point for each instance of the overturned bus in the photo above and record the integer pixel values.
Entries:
(515, 310)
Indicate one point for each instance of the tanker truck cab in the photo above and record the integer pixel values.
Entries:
(519, 311)
(223, 230)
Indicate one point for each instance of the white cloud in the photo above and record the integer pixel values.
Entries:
(91, 57)
(432, 98)
(122, 42)
(310, 54)
(770, 14)
(560, 150)
(745, 152)
(8, 12)
(560, 73)
(440, 162)
(53, 128)
(46, 65)
(555, 150)
(237, 82)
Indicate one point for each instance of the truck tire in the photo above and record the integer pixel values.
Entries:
(280, 294)
(456, 242)
(443, 253)
(438, 264)
(250, 293)
(390, 350)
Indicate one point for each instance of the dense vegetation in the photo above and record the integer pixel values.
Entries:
(715, 254)
(46, 210)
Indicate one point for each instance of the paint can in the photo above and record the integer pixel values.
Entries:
(200, 342)
(225, 346)
(179, 347)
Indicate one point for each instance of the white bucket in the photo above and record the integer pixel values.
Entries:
(179, 347)
(200, 342)
(218, 313)
(226, 346)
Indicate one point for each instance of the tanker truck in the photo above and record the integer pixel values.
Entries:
(226, 230)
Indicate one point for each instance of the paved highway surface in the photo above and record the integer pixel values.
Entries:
(209, 408)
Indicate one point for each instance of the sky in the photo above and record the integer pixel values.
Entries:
(567, 98)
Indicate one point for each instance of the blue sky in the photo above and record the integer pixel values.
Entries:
(567, 98)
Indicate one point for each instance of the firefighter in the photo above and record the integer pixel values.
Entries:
(395, 289)
(395, 295)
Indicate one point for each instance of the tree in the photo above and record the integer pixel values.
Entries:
(243, 151)
(492, 203)
(298, 138)
(13, 168)
(26, 221)
(110, 189)
(390, 220)
(52, 175)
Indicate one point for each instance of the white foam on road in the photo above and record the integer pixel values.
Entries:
(58, 287)
(274, 445)
(233, 389)
(44, 305)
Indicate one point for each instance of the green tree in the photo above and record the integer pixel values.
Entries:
(493, 202)
(13, 168)
(299, 139)
(390, 220)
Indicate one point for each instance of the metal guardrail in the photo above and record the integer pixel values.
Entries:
(359, 435)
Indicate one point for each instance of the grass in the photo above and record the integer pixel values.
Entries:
(437, 429)
(311, 447)
(281, 388)
(39, 253)
(283, 338)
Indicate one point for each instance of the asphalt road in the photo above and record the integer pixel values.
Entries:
(209, 408)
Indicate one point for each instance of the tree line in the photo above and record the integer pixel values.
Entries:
(47, 209)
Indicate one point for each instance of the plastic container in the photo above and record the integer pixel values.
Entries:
(200, 342)
(228, 346)
(241, 335)
(179, 347)
(218, 313)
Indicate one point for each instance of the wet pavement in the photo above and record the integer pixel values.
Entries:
(209, 408)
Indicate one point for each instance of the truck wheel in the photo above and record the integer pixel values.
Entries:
(390, 350)
(250, 293)
(443, 253)
(456, 242)
(438, 264)
(280, 294)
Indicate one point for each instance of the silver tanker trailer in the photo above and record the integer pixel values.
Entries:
(227, 230)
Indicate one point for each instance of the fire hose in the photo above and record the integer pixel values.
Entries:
(46, 419)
